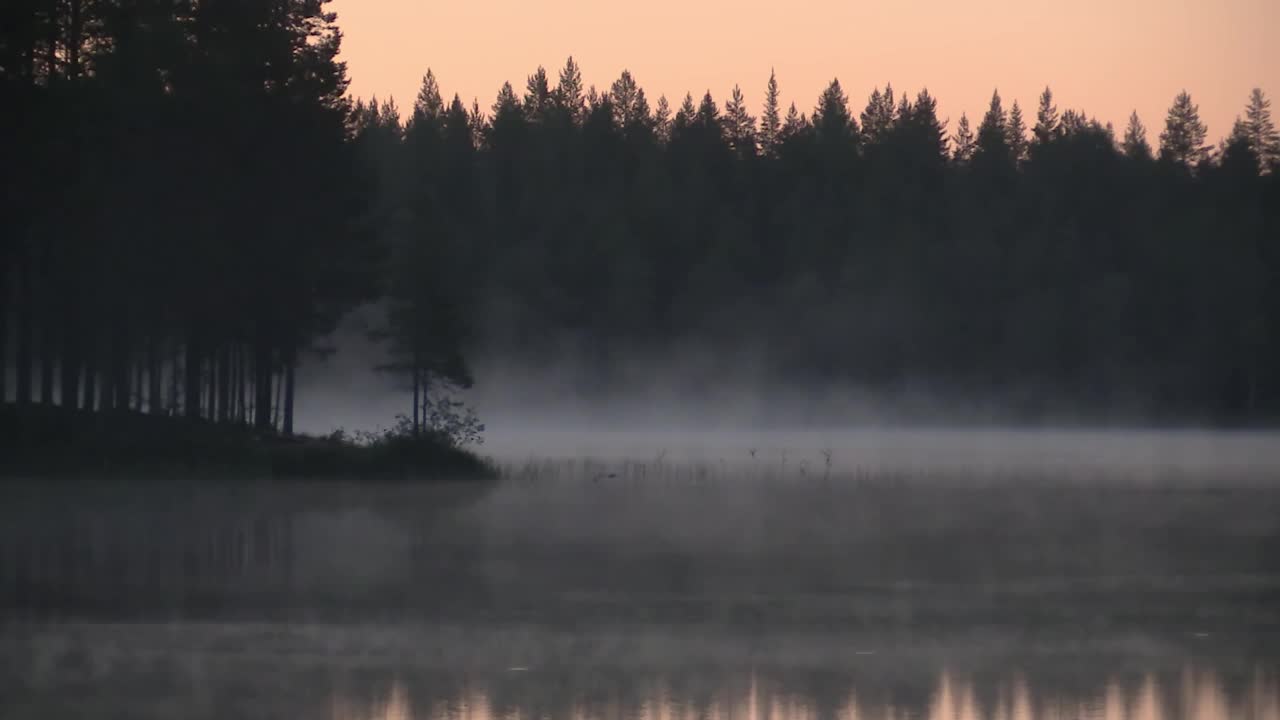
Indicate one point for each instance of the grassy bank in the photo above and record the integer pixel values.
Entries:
(48, 441)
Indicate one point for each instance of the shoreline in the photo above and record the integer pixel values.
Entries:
(43, 442)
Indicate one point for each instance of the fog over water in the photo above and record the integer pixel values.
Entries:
(706, 387)
(633, 563)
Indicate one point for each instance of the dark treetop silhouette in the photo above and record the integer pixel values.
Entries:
(190, 202)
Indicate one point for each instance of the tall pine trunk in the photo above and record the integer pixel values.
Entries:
(46, 301)
(48, 354)
(5, 304)
(155, 402)
(275, 410)
(106, 384)
(237, 384)
(242, 390)
(120, 369)
(211, 388)
(175, 363)
(224, 384)
(262, 385)
(25, 309)
(191, 366)
(69, 383)
(138, 373)
(88, 399)
(290, 369)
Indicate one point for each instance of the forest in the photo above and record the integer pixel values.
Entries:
(193, 202)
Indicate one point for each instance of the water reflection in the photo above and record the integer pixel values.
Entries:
(588, 599)
(1192, 694)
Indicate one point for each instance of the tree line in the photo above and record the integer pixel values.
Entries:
(192, 202)
(1038, 258)
(182, 208)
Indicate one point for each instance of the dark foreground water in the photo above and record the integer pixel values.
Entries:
(923, 579)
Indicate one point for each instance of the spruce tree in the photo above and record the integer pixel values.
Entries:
(708, 115)
(662, 119)
(1135, 145)
(1261, 130)
(925, 126)
(877, 118)
(1183, 139)
(832, 120)
(903, 112)
(1236, 154)
(685, 115)
(1016, 133)
(478, 122)
(459, 125)
(770, 119)
(568, 93)
(628, 101)
(506, 104)
(993, 134)
(795, 124)
(869, 124)
(964, 142)
(739, 125)
(1073, 122)
(538, 100)
(428, 105)
(1046, 128)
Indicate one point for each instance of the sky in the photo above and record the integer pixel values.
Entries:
(1107, 57)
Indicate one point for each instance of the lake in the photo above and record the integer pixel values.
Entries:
(835, 574)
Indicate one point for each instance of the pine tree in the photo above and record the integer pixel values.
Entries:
(904, 110)
(1073, 122)
(423, 129)
(964, 142)
(390, 112)
(739, 126)
(1261, 130)
(1046, 128)
(627, 98)
(1236, 156)
(641, 114)
(568, 94)
(877, 118)
(1016, 133)
(459, 126)
(429, 105)
(662, 119)
(831, 118)
(686, 114)
(1183, 139)
(770, 119)
(538, 99)
(507, 104)
(869, 124)
(479, 123)
(1135, 145)
(926, 127)
(708, 115)
(993, 133)
(795, 124)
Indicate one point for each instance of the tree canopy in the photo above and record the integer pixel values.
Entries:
(192, 202)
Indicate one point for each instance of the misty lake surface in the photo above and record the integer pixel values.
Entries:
(843, 574)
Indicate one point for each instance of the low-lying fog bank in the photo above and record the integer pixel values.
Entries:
(1239, 455)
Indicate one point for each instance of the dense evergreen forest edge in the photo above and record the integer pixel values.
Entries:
(193, 202)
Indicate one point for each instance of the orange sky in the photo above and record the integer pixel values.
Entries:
(1107, 57)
